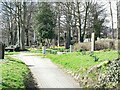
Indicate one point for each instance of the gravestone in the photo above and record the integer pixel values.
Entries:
(93, 42)
(43, 50)
(1, 50)
(70, 48)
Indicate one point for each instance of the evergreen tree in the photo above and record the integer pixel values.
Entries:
(46, 22)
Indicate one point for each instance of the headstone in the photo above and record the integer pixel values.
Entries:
(1, 50)
(93, 42)
(43, 50)
(70, 48)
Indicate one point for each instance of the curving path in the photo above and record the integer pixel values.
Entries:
(47, 74)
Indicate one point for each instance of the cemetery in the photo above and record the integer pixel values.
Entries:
(59, 45)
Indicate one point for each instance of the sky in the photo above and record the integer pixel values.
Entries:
(114, 10)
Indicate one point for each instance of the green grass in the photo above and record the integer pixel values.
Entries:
(35, 50)
(81, 62)
(78, 61)
(49, 50)
(14, 73)
(11, 53)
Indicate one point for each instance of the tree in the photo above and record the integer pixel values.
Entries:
(85, 21)
(118, 20)
(17, 21)
(111, 13)
(98, 18)
(46, 22)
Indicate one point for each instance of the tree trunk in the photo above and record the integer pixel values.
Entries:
(85, 22)
(79, 22)
(58, 25)
(23, 26)
(27, 38)
(68, 18)
(111, 13)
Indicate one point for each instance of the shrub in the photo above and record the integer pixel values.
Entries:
(82, 46)
(110, 79)
(99, 45)
(104, 44)
(53, 52)
(61, 49)
(67, 50)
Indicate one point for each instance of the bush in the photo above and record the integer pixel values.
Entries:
(99, 45)
(61, 49)
(104, 44)
(82, 46)
(53, 52)
(111, 77)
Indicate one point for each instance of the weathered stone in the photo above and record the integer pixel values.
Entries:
(43, 50)
(1, 50)
(93, 42)
(78, 77)
(70, 48)
(94, 68)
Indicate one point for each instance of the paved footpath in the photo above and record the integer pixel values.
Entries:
(47, 74)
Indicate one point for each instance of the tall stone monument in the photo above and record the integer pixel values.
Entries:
(93, 42)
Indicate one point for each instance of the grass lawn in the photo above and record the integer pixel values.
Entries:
(49, 50)
(81, 61)
(78, 60)
(11, 53)
(83, 64)
(14, 73)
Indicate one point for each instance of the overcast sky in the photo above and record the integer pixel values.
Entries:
(114, 9)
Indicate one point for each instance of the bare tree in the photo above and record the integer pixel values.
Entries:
(111, 13)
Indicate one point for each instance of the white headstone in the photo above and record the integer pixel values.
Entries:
(93, 42)
(43, 50)
(70, 48)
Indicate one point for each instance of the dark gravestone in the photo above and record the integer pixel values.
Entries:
(1, 50)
